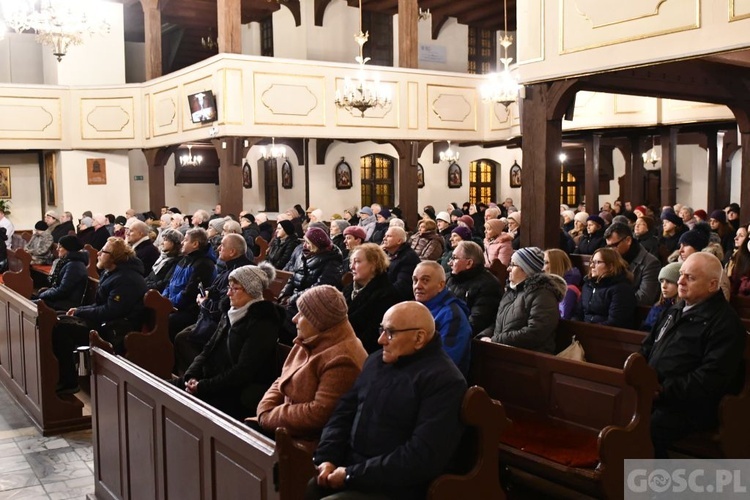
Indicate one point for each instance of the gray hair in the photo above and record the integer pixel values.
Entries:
(471, 251)
(397, 232)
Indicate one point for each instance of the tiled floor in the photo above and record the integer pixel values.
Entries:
(37, 467)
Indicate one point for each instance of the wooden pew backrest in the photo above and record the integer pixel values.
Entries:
(603, 345)
(18, 275)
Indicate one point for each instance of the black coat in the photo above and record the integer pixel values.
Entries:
(590, 243)
(280, 251)
(265, 231)
(119, 299)
(379, 232)
(650, 243)
(609, 301)
(250, 233)
(697, 355)
(69, 282)
(63, 229)
(366, 310)
(324, 267)
(238, 363)
(158, 280)
(481, 291)
(148, 253)
(398, 427)
(403, 262)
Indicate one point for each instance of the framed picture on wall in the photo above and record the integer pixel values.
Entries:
(50, 179)
(454, 176)
(343, 175)
(515, 175)
(247, 176)
(96, 170)
(5, 183)
(286, 175)
(420, 176)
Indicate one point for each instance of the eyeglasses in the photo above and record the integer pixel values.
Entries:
(597, 262)
(454, 258)
(512, 265)
(616, 243)
(105, 251)
(389, 332)
(235, 289)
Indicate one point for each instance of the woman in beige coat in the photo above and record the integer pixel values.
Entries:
(325, 361)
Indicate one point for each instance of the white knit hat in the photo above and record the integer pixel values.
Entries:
(254, 279)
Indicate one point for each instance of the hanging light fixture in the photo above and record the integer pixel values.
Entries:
(189, 160)
(502, 87)
(57, 23)
(650, 156)
(274, 153)
(449, 155)
(362, 95)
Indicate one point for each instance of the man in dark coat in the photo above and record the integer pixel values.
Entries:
(644, 266)
(473, 283)
(191, 340)
(65, 227)
(403, 261)
(696, 350)
(117, 310)
(398, 427)
(69, 276)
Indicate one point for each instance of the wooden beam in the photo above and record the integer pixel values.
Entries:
(408, 157)
(156, 158)
(230, 37)
(408, 30)
(229, 150)
(712, 160)
(591, 155)
(152, 34)
(669, 166)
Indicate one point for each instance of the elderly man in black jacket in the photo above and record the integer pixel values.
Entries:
(398, 427)
(473, 283)
(403, 261)
(696, 350)
(117, 309)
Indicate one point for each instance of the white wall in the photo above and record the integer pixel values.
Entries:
(20, 59)
(26, 198)
(76, 195)
(251, 39)
(188, 197)
(453, 37)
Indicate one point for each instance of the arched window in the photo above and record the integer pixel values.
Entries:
(482, 181)
(377, 180)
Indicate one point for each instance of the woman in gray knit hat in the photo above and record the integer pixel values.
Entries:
(237, 365)
(161, 272)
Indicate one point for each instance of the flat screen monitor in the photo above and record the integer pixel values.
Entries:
(202, 107)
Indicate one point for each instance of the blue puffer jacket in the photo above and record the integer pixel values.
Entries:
(197, 267)
(609, 301)
(452, 321)
(69, 283)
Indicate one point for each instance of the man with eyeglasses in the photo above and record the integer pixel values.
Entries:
(398, 427)
(473, 283)
(451, 314)
(644, 266)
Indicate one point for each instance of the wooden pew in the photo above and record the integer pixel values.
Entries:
(582, 262)
(610, 346)
(500, 271)
(574, 423)
(150, 349)
(91, 268)
(741, 304)
(263, 246)
(28, 367)
(277, 285)
(18, 275)
(152, 440)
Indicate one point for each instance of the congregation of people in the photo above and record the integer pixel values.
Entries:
(379, 361)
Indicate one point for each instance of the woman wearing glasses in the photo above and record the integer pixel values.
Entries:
(237, 365)
(528, 313)
(324, 363)
(608, 297)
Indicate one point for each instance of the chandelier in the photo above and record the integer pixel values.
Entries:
(502, 88)
(362, 95)
(189, 160)
(449, 155)
(650, 156)
(57, 23)
(274, 153)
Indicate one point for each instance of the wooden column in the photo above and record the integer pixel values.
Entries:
(636, 172)
(229, 14)
(152, 29)
(408, 43)
(668, 167)
(408, 158)
(156, 158)
(591, 167)
(541, 131)
(712, 153)
(727, 147)
(229, 150)
(744, 178)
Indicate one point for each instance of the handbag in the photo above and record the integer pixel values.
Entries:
(574, 351)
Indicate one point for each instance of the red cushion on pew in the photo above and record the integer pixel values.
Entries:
(570, 447)
(42, 268)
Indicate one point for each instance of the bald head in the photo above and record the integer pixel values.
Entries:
(700, 277)
(407, 327)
